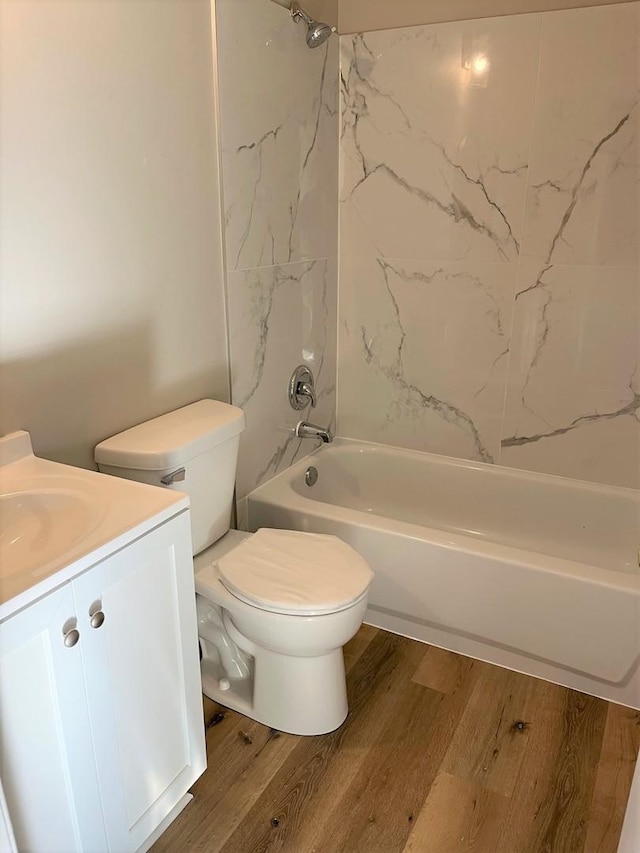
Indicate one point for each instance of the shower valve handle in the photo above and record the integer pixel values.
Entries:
(302, 388)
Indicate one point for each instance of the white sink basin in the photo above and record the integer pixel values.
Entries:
(39, 525)
(57, 520)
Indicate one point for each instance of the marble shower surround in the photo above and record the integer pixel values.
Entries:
(279, 131)
(278, 127)
(282, 316)
(489, 289)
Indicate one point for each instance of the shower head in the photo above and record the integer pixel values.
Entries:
(317, 33)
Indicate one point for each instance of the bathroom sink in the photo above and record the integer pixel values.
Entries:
(37, 526)
(57, 520)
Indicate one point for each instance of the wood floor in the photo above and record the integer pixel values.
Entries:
(439, 754)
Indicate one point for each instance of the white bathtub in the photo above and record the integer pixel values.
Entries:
(536, 573)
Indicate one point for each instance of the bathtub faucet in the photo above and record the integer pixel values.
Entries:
(305, 430)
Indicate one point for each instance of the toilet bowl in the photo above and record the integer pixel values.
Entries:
(274, 607)
(284, 669)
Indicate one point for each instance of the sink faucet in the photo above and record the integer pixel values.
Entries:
(305, 430)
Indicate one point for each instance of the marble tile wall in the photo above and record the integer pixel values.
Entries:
(279, 150)
(489, 207)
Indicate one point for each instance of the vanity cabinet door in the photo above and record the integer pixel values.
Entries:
(139, 649)
(46, 755)
(7, 838)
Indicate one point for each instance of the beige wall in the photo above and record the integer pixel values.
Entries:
(363, 15)
(325, 10)
(111, 300)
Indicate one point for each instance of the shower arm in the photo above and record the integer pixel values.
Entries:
(317, 31)
(299, 14)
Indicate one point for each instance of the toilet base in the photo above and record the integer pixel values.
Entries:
(297, 695)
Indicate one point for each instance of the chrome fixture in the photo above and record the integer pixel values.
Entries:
(305, 430)
(71, 638)
(96, 615)
(175, 477)
(317, 33)
(302, 388)
(311, 476)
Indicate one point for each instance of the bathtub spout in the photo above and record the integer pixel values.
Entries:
(305, 430)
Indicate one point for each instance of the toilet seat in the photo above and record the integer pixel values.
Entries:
(294, 573)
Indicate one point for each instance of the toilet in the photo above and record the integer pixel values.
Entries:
(274, 607)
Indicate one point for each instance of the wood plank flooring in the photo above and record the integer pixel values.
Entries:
(439, 754)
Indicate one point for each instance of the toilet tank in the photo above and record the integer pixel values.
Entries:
(192, 450)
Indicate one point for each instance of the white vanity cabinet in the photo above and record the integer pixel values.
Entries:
(101, 731)
(7, 838)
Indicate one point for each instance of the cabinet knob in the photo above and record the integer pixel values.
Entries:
(71, 637)
(96, 619)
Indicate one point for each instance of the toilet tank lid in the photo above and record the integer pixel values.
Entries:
(172, 439)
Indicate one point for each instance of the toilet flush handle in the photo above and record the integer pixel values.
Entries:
(175, 477)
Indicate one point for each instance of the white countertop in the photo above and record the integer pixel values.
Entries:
(82, 518)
